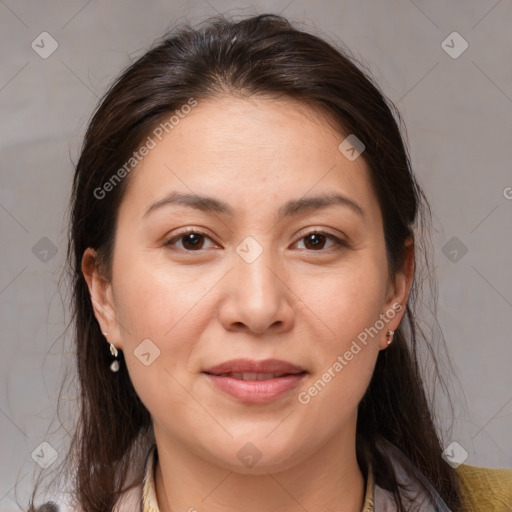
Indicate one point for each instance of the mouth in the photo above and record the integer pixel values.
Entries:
(255, 381)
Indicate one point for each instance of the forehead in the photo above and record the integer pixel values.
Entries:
(253, 150)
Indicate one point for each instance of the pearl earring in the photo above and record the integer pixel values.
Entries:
(389, 336)
(114, 366)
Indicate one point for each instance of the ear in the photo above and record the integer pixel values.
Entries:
(102, 299)
(398, 293)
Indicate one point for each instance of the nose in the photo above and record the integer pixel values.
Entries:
(257, 296)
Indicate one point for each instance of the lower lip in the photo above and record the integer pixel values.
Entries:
(252, 391)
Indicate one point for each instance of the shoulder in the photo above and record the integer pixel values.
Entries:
(486, 489)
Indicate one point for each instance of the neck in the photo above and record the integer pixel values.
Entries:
(330, 479)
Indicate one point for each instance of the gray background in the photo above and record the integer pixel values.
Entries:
(458, 116)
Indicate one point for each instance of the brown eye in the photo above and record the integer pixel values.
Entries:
(191, 240)
(316, 240)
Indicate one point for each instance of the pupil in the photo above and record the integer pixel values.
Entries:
(193, 239)
(315, 239)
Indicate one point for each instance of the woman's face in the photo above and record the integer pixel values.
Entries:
(268, 274)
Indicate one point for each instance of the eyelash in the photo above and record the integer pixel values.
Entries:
(337, 241)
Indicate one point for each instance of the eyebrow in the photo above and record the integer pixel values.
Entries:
(288, 209)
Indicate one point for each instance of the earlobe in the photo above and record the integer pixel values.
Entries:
(100, 292)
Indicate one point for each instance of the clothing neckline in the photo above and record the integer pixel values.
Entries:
(150, 503)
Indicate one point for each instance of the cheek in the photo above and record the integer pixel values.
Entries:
(165, 308)
(153, 305)
(153, 301)
(344, 301)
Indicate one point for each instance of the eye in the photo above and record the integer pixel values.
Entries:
(192, 240)
(316, 240)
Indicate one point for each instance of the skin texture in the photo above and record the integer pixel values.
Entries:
(298, 302)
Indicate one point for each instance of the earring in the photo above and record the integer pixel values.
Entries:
(389, 336)
(115, 364)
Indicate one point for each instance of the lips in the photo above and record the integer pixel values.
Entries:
(255, 382)
(247, 369)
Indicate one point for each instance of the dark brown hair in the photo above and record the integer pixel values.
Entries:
(259, 55)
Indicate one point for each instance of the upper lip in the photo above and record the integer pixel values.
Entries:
(251, 366)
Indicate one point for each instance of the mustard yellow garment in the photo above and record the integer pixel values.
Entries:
(486, 489)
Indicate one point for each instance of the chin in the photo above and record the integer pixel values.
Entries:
(257, 457)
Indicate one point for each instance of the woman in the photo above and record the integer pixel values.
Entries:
(244, 234)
